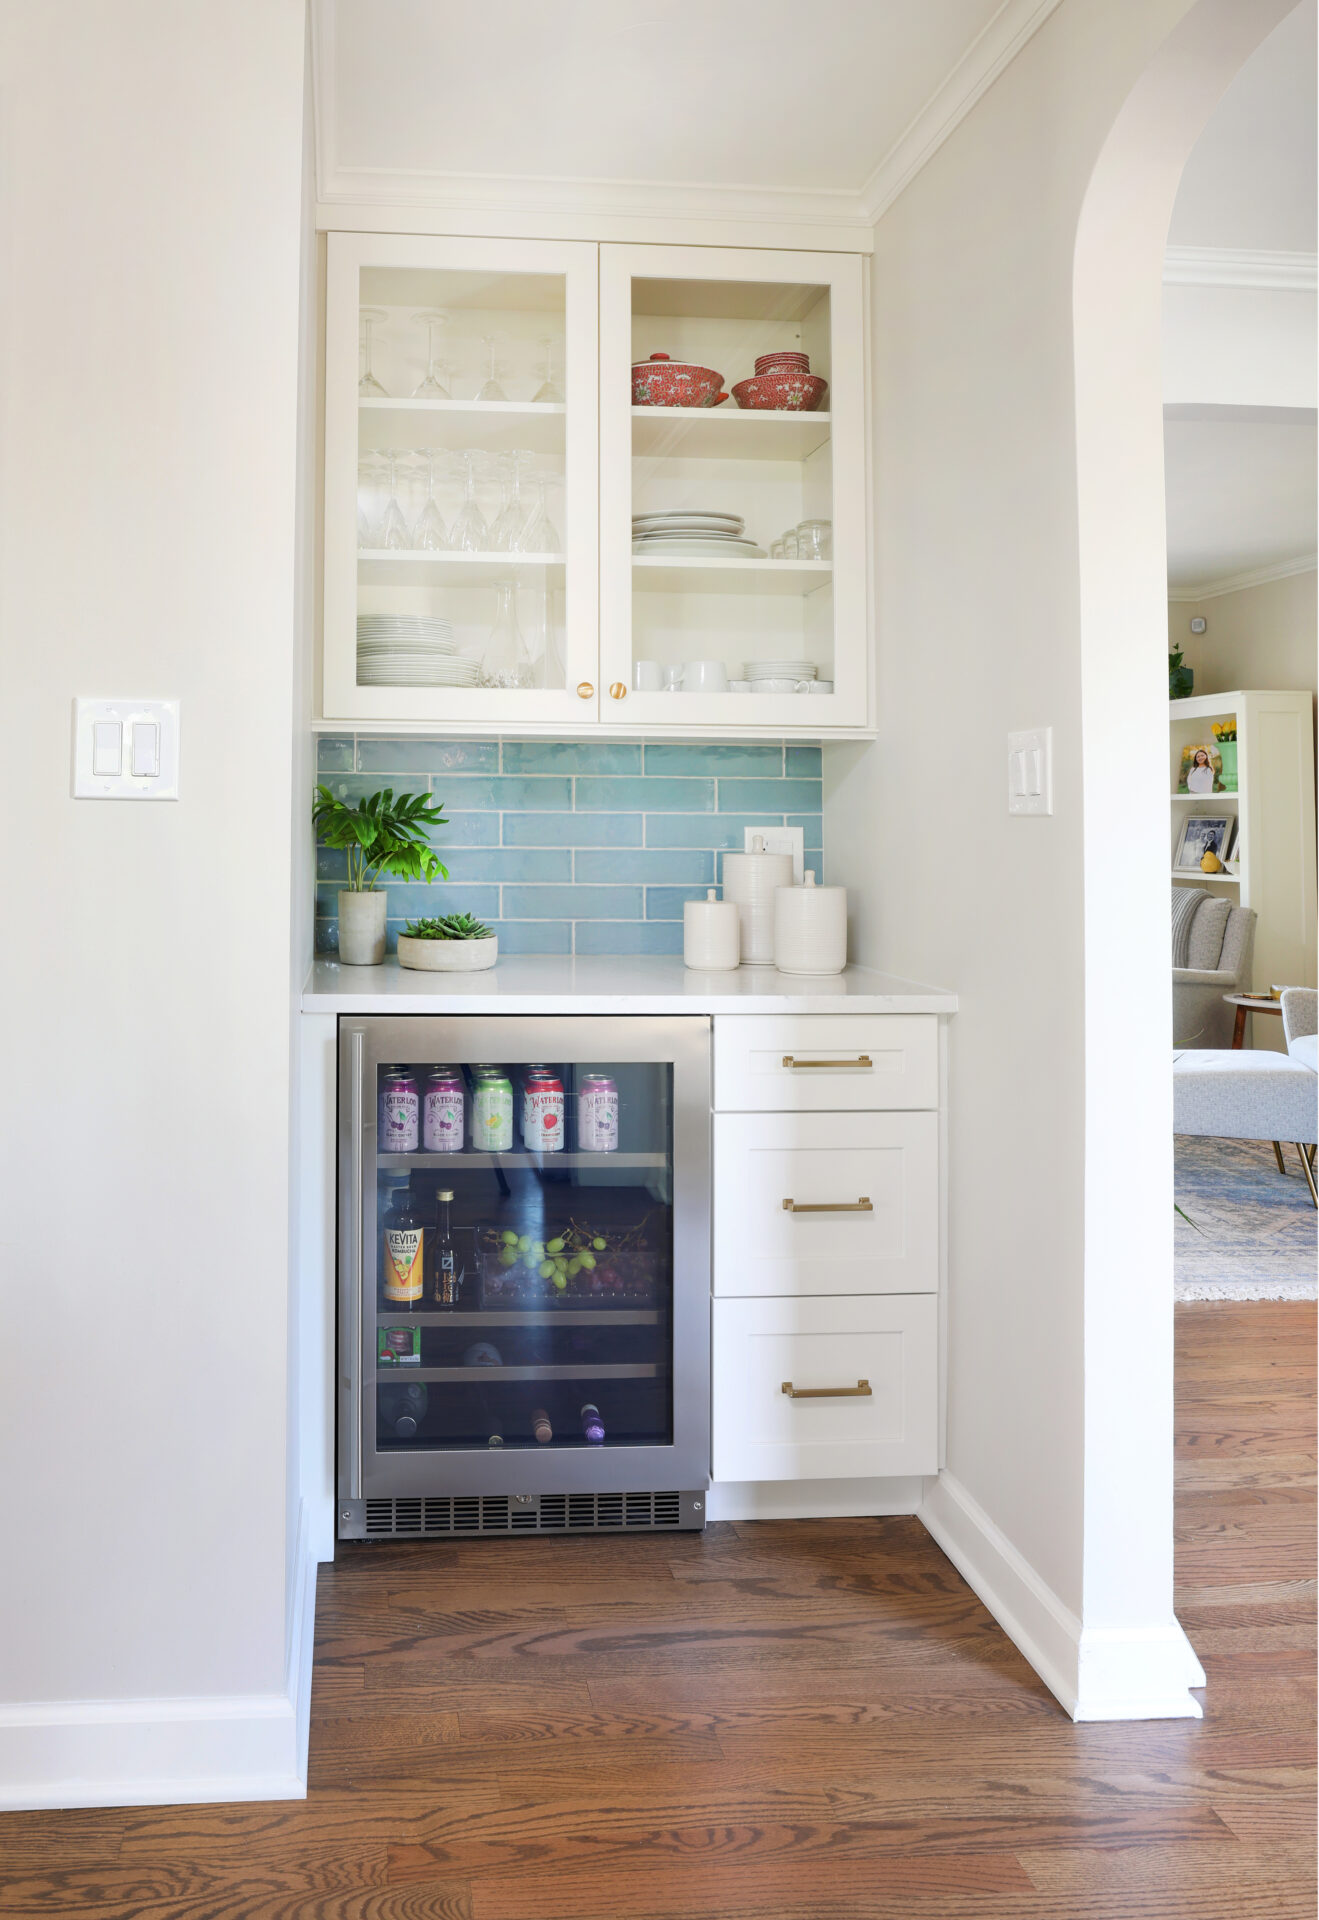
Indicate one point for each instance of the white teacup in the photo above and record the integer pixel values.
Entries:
(818, 686)
(672, 679)
(647, 676)
(739, 686)
(705, 676)
(776, 686)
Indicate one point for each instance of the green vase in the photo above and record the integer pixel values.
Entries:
(1228, 749)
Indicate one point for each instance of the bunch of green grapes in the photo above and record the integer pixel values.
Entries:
(559, 1260)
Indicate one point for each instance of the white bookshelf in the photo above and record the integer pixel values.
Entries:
(1274, 857)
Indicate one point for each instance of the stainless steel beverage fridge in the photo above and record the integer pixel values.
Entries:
(524, 1274)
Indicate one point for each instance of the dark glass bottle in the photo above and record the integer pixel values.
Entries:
(446, 1274)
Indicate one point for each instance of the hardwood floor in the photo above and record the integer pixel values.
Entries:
(807, 1721)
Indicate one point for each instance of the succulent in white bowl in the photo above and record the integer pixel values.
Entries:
(453, 943)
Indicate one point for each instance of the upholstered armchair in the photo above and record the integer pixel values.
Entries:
(1213, 950)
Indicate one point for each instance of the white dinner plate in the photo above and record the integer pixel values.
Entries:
(697, 548)
(695, 516)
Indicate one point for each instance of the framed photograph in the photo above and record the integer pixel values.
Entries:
(1202, 834)
(1202, 769)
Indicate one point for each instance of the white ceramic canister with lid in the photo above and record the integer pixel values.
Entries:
(750, 881)
(810, 928)
(711, 934)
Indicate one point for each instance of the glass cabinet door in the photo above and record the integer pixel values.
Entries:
(460, 479)
(733, 498)
(523, 1218)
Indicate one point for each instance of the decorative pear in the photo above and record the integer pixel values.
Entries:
(1210, 862)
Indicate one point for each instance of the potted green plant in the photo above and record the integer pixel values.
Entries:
(385, 833)
(454, 943)
(1181, 679)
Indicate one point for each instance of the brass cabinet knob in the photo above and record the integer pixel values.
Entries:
(618, 691)
(585, 691)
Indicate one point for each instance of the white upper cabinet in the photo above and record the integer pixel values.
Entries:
(752, 521)
(461, 472)
(487, 474)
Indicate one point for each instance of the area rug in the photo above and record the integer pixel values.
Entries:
(1249, 1232)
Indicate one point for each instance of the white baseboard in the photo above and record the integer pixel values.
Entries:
(1097, 1673)
(811, 1499)
(174, 1751)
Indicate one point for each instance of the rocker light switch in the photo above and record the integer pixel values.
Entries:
(1030, 771)
(126, 749)
(107, 749)
(146, 749)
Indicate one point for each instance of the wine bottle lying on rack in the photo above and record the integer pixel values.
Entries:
(402, 1408)
(593, 1427)
(540, 1426)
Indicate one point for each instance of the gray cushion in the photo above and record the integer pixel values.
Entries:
(1205, 947)
(1243, 1095)
(1305, 1048)
(1185, 901)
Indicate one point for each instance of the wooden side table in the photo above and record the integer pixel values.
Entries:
(1248, 1003)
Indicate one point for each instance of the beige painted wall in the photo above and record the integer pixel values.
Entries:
(990, 616)
(1262, 636)
(152, 158)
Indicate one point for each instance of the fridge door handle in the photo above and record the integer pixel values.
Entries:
(355, 1275)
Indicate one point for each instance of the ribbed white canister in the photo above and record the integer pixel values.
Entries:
(810, 928)
(711, 934)
(750, 880)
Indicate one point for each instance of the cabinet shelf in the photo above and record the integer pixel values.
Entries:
(719, 433)
(1232, 794)
(380, 567)
(475, 1376)
(1194, 873)
(516, 1317)
(456, 1161)
(496, 426)
(661, 574)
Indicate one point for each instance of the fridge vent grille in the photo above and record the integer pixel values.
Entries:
(497, 1513)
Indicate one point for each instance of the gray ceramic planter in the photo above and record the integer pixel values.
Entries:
(362, 929)
(448, 956)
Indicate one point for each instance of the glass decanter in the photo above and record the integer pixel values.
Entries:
(505, 661)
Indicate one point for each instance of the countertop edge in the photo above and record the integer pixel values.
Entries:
(889, 995)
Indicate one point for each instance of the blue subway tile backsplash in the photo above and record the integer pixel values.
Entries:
(573, 846)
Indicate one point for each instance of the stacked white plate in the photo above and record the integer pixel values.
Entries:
(693, 533)
(409, 650)
(781, 670)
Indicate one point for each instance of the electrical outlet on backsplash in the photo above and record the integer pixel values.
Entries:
(573, 846)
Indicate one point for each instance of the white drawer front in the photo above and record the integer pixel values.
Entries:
(871, 1062)
(761, 1433)
(825, 1160)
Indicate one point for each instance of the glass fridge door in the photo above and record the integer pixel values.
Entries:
(526, 1269)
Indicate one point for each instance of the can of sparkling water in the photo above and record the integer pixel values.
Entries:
(397, 1112)
(542, 1113)
(442, 1111)
(597, 1114)
(492, 1111)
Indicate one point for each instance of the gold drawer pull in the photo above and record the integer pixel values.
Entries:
(585, 691)
(861, 1391)
(862, 1060)
(829, 1206)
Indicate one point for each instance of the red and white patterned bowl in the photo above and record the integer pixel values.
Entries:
(661, 382)
(788, 392)
(781, 362)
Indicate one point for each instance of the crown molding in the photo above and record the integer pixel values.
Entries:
(840, 218)
(1238, 582)
(1240, 267)
(998, 43)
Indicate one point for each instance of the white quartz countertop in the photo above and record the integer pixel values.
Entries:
(525, 983)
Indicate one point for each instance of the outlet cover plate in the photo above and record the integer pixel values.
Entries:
(1030, 770)
(781, 840)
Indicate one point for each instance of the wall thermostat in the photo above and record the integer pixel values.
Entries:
(1199, 624)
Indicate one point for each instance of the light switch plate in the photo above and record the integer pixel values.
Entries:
(1030, 771)
(781, 840)
(132, 717)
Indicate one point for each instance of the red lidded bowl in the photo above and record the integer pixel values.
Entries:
(661, 382)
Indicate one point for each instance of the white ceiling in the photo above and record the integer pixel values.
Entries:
(735, 96)
(1250, 181)
(1241, 493)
